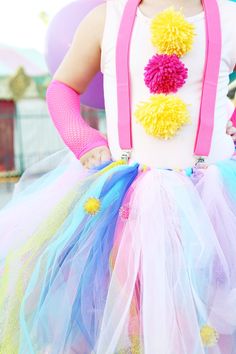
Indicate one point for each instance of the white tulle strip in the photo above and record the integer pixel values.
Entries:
(36, 196)
(168, 244)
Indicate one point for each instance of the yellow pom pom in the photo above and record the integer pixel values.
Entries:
(92, 206)
(209, 336)
(144, 168)
(162, 116)
(171, 33)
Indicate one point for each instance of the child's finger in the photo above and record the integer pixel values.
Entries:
(88, 163)
(84, 164)
(96, 157)
(105, 155)
(93, 161)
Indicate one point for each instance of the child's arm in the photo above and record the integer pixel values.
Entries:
(80, 65)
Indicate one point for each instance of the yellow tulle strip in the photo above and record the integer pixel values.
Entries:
(18, 269)
(20, 264)
(112, 165)
(171, 33)
(162, 116)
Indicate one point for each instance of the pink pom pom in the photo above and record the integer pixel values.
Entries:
(165, 73)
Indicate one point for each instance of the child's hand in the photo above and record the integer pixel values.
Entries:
(231, 130)
(96, 157)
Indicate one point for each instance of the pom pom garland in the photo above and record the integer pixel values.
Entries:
(171, 33)
(162, 116)
(165, 74)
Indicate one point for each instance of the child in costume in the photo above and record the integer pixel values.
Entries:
(135, 251)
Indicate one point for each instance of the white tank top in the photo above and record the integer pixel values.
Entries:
(178, 151)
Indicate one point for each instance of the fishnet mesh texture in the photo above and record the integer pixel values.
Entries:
(64, 107)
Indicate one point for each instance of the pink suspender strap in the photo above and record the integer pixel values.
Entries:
(211, 72)
(122, 74)
(210, 79)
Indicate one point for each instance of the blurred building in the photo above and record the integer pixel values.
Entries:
(232, 88)
(27, 134)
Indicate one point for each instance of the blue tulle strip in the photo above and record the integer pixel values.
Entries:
(228, 171)
(84, 239)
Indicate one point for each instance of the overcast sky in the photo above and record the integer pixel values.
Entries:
(20, 24)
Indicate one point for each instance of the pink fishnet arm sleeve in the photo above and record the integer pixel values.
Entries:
(64, 108)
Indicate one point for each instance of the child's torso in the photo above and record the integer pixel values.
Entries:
(178, 151)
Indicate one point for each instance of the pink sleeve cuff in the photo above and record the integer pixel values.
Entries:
(64, 107)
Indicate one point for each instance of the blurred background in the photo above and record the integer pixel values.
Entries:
(34, 37)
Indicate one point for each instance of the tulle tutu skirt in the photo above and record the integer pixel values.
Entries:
(120, 259)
